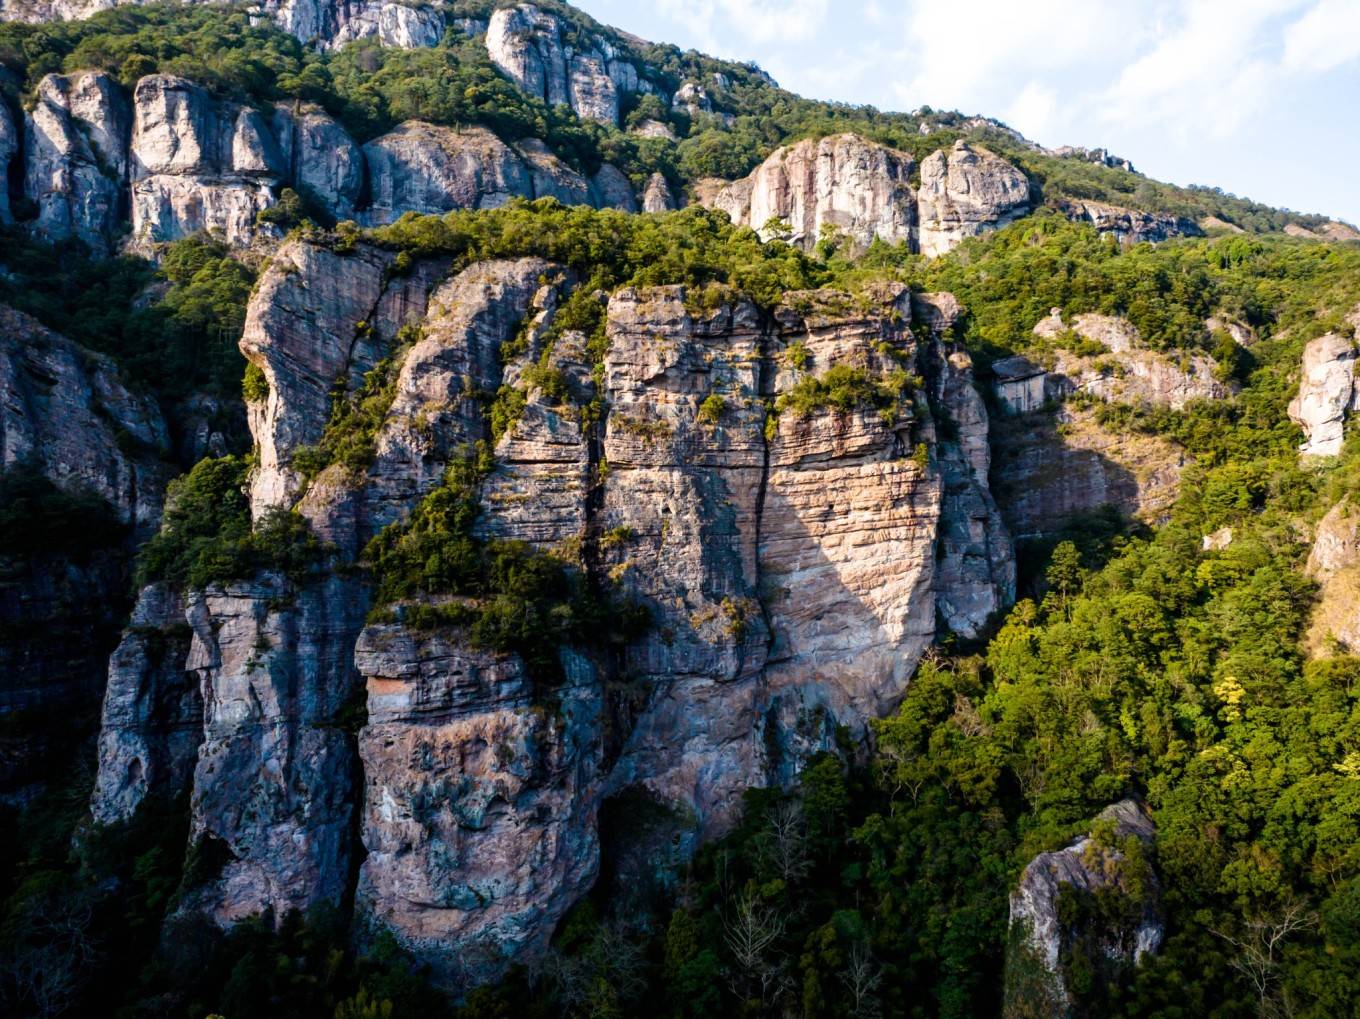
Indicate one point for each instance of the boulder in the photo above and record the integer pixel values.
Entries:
(1109, 861)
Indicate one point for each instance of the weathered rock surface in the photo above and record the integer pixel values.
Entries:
(320, 157)
(1051, 467)
(1133, 374)
(153, 711)
(198, 164)
(1128, 225)
(1326, 394)
(1334, 562)
(843, 182)
(656, 196)
(611, 189)
(318, 317)
(273, 784)
(796, 579)
(66, 410)
(1035, 983)
(479, 824)
(545, 57)
(75, 142)
(975, 563)
(964, 193)
(419, 167)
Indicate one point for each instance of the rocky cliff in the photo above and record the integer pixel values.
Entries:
(1060, 461)
(1056, 925)
(168, 160)
(66, 417)
(792, 566)
(1327, 393)
(862, 191)
(841, 183)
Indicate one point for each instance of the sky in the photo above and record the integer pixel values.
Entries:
(1258, 97)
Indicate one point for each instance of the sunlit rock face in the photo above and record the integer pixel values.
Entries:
(793, 570)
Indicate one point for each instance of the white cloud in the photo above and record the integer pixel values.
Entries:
(1218, 65)
(734, 25)
(1324, 38)
(1035, 111)
(962, 53)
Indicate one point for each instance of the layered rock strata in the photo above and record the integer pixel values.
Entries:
(792, 568)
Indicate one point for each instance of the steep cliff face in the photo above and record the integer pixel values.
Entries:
(975, 563)
(320, 157)
(544, 56)
(1059, 460)
(1327, 394)
(170, 160)
(65, 413)
(843, 182)
(66, 410)
(1045, 937)
(792, 568)
(198, 164)
(966, 192)
(75, 155)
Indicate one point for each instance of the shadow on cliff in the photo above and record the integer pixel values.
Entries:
(1051, 490)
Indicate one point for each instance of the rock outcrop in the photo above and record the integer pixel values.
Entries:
(198, 164)
(1128, 225)
(964, 193)
(1132, 375)
(1064, 464)
(419, 167)
(656, 196)
(65, 410)
(975, 562)
(1327, 394)
(1109, 861)
(792, 569)
(1334, 562)
(320, 158)
(75, 155)
(855, 187)
(554, 62)
(152, 721)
